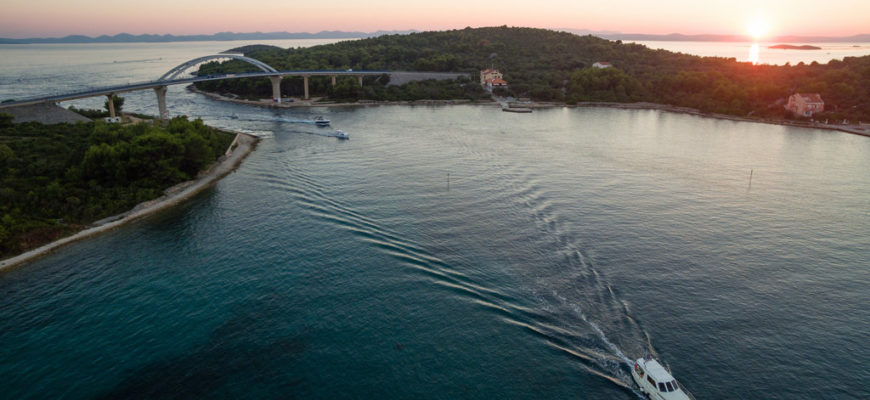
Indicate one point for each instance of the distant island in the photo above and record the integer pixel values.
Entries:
(222, 36)
(229, 36)
(793, 47)
(678, 37)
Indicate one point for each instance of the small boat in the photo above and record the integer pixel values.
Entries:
(517, 109)
(656, 382)
(340, 134)
(321, 121)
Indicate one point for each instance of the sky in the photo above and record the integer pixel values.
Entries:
(56, 18)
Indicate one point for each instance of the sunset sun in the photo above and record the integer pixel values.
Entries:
(757, 27)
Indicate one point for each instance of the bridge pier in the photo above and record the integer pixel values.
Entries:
(359, 77)
(333, 80)
(276, 88)
(305, 84)
(111, 102)
(161, 102)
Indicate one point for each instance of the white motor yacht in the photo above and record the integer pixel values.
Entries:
(656, 382)
(321, 121)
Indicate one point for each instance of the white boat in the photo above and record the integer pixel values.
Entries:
(656, 382)
(321, 121)
(340, 134)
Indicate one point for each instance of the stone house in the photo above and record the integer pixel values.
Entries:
(805, 105)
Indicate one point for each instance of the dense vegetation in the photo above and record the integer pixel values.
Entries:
(346, 88)
(117, 102)
(548, 65)
(56, 178)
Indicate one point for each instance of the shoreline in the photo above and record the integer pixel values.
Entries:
(862, 130)
(314, 103)
(239, 149)
(243, 144)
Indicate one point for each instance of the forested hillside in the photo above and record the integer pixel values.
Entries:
(555, 66)
(54, 179)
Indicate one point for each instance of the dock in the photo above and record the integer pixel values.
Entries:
(511, 105)
(516, 109)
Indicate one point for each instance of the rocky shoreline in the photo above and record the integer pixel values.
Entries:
(242, 145)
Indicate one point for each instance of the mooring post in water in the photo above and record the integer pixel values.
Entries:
(750, 180)
(448, 181)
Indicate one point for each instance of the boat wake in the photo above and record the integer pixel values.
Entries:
(570, 306)
(577, 310)
(596, 325)
(295, 120)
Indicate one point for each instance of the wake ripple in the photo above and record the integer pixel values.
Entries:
(577, 312)
(601, 326)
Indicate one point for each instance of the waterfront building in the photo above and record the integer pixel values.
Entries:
(805, 105)
(602, 64)
(490, 78)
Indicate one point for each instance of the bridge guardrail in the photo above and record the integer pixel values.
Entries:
(99, 91)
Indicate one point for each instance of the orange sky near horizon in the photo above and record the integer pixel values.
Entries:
(55, 18)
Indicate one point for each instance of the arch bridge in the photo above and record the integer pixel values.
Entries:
(171, 77)
(173, 73)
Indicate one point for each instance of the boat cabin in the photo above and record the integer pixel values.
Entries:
(655, 380)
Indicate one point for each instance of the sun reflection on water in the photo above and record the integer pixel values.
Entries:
(753, 54)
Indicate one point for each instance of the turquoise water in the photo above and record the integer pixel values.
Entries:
(565, 242)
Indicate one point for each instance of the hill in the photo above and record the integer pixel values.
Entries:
(221, 36)
(555, 66)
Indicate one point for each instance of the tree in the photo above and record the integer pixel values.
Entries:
(197, 154)
(5, 120)
(602, 84)
(6, 156)
(117, 101)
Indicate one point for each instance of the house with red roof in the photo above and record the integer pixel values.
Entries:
(602, 64)
(490, 78)
(805, 105)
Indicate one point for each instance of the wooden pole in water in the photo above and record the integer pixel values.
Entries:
(448, 181)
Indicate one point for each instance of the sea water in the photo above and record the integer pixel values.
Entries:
(462, 252)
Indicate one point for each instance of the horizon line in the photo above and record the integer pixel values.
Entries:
(600, 33)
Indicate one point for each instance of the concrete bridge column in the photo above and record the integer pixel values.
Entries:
(276, 88)
(111, 97)
(161, 101)
(359, 77)
(305, 83)
(333, 80)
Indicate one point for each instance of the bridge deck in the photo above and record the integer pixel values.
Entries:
(157, 83)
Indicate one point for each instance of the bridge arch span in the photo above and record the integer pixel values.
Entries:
(173, 73)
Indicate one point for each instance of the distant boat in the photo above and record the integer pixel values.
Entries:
(340, 134)
(321, 121)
